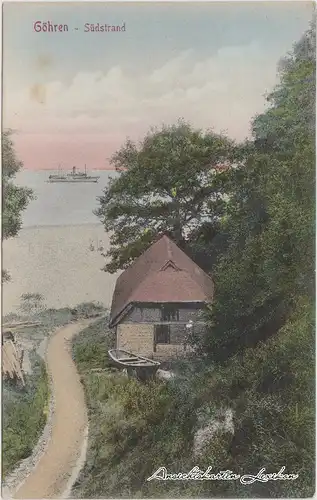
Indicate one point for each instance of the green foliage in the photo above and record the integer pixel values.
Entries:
(260, 343)
(136, 428)
(264, 290)
(88, 310)
(31, 303)
(5, 276)
(291, 117)
(32, 308)
(14, 198)
(271, 388)
(90, 347)
(25, 410)
(129, 437)
(24, 417)
(169, 183)
(270, 218)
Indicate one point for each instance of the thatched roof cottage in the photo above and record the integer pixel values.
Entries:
(158, 300)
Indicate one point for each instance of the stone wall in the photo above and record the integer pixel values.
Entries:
(138, 338)
(165, 352)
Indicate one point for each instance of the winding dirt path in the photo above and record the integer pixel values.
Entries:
(50, 476)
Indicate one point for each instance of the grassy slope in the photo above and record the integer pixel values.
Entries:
(136, 428)
(24, 416)
(25, 410)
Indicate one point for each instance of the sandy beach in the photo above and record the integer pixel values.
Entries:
(56, 261)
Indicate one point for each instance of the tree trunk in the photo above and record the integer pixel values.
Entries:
(176, 224)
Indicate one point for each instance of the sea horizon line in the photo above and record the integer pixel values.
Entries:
(50, 169)
(41, 226)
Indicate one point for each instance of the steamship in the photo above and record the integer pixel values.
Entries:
(74, 176)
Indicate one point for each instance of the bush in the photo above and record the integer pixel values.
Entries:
(24, 417)
(90, 347)
(88, 310)
(271, 388)
(25, 410)
(136, 428)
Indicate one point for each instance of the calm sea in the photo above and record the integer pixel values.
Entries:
(61, 204)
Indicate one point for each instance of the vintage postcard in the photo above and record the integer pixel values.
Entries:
(158, 227)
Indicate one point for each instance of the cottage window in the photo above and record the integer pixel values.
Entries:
(169, 313)
(162, 334)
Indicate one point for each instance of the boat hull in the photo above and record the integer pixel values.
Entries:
(73, 181)
(137, 366)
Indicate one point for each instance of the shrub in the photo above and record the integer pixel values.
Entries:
(24, 417)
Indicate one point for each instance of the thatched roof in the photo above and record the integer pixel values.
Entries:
(163, 273)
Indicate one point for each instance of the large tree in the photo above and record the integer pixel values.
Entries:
(14, 198)
(171, 182)
(270, 262)
(265, 288)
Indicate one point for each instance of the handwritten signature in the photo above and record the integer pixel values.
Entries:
(196, 474)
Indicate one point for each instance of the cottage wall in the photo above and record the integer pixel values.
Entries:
(170, 351)
(136, 337)
(135, 332)
(140, 314)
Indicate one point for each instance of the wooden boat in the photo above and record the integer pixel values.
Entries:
(139, 366)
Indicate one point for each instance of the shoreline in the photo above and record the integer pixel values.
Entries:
(44, 226)
(60, 262)
(26, 169)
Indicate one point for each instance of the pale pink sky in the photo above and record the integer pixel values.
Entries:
(74, 97)
(42, 151)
